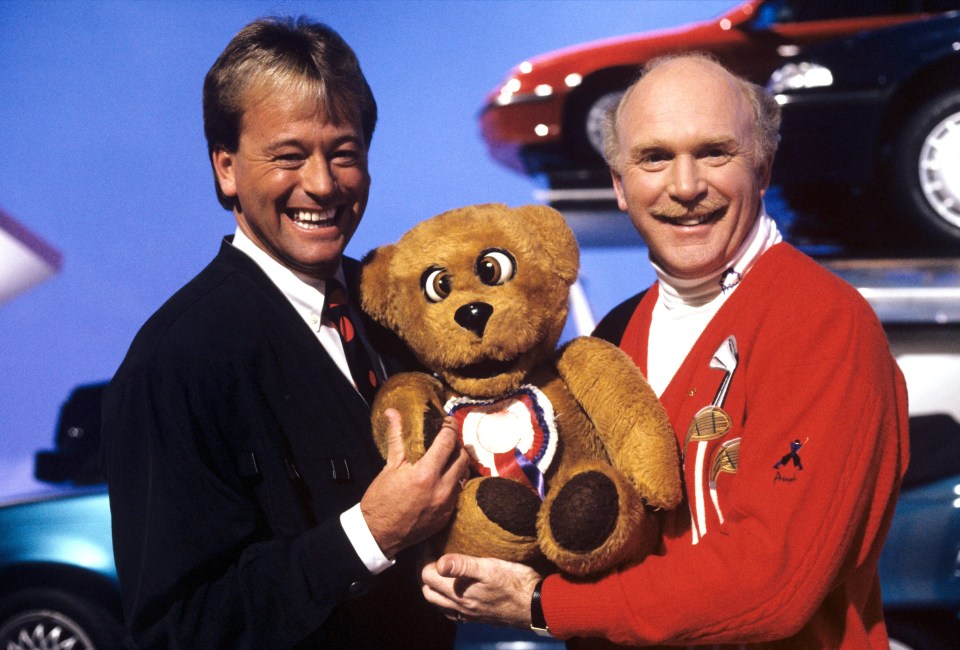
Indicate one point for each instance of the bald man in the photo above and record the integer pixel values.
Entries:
(756, 352)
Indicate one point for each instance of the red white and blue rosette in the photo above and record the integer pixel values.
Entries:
(512, 437)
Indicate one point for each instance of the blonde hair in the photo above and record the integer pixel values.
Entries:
(300, 56)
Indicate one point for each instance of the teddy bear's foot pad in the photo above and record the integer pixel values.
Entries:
(510, 505)
(585, 512)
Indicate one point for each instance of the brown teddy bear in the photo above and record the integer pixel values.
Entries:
(571, 451)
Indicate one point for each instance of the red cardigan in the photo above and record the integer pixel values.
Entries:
(795, 556)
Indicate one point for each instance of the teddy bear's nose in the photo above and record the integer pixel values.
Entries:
(474, 316)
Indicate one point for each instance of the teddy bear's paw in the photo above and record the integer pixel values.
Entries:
(510, 505)
(594, 521)
(416, 397)
(495, 517)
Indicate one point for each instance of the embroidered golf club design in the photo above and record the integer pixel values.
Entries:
(711, 422)
(726, 459)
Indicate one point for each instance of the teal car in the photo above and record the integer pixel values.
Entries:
(58, 583)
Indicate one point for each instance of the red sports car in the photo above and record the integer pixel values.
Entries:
(544, 119)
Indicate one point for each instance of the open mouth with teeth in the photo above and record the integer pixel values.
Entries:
(693, 219)
(313, 219)
(484, 369)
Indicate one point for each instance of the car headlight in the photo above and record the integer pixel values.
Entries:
(797, 76)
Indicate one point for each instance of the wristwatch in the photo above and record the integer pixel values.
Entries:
(538, 622)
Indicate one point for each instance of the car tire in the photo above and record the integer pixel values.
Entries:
(595, 118)
(49, 618)
(584, 112)
(925, 167)
(923, 631)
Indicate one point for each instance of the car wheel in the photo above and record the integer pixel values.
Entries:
(923, 631)
(595, 118)
(585, 110)
(926, 171)
(54, 620)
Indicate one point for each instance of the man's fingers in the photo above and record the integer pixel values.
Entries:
(450, 423)
(395, 453)
(438, 598)
(444, 450)
(436, 588)
(459, 459)
(454, 565)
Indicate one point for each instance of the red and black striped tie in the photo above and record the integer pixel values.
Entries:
(336, 313)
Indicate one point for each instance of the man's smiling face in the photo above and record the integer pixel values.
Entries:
(687, 171)
(300, 182)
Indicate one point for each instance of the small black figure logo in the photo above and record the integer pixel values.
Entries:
(794, 455)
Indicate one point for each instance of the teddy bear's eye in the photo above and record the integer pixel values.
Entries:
(495, 267)
(436, 284)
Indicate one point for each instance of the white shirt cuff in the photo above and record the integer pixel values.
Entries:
(355, 526)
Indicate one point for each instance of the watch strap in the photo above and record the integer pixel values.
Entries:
(538, 622)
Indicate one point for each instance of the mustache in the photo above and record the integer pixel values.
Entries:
(678, 211)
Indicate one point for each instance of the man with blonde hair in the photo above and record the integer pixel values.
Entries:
(251, 508)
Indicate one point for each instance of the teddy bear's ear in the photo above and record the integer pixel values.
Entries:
(556, 237)
(376, 291)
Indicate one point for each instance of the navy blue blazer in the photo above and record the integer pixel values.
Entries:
(231, 444)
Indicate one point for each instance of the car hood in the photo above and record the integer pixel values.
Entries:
(552, 68)
(51, 493)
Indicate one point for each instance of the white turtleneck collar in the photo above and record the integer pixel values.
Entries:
(678, 293)
(685, 306)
